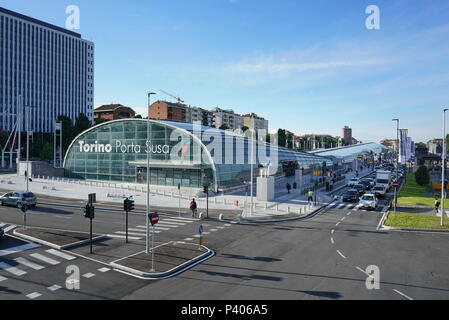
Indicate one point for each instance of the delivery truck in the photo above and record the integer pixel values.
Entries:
(383, 178)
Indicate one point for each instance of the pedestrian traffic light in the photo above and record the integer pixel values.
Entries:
(130, 205)
(125, 205)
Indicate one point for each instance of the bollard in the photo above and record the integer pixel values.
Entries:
(202, 215)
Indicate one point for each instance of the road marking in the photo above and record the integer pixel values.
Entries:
(188, 220)
(18, 249)
(213, 230)
(44, 258)
(54, 288)
(355, 208)
(9, 228)
(332, 240)
(188, 239)
(172, 223)
(220, 227)
(343, 219)
(60, 254)
(121, 237)
(33, 295)
(141, 230)
(341, 254)
(349, 213)
(227, 225)
(332, 232)
(104, 269)
(29, 263)
(15, 271)
(404, 295)
(132, 233)
(163, 229)
(88, 275)
(196, 236)
(361, 270)
(3, 278)
(337, 224)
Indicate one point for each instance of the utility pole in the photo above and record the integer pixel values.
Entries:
(443, 168)
(148, 177)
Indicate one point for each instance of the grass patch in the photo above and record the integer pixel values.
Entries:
(415, 221)
(413, 194)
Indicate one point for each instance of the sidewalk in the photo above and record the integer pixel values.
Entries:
(163, 197)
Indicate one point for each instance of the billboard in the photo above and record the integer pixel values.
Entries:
(403, 145)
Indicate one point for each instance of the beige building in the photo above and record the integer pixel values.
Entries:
(253, 121)
(228, 118)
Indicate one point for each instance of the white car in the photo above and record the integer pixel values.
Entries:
(368, 201)
(353, 182)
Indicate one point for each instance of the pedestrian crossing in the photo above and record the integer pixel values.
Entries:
(30, 262)
(7, 227)
(164, 224)
(349, 206)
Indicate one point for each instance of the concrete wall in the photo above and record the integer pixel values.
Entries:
(41, 168)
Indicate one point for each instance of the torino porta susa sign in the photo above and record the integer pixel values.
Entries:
(123, 148)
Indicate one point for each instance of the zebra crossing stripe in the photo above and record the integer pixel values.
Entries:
(15, 271)
(2, 224)
(18, 249)
(141, 230)
(104, 269)
(3, 278)
(131, 233)
(33, 295)
(163, 229)
(44, 258)
(54, 288)
(29, 263)
(172, 223)
(88, 275)
(188, 220)
(61, 254)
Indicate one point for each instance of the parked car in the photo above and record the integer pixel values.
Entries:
(368, 201)
(351, 195)
(360, 188)
(379, 191)
(18, 199)
(353, 182)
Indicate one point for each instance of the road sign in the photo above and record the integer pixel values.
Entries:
(395, 184)
(154, 218)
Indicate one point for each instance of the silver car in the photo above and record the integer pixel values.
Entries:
(18, 199)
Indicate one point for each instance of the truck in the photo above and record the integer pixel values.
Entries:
(383, 178)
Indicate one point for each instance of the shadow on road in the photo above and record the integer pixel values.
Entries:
(50, 210)
(323, 294)
(262, 259)
(9, 291)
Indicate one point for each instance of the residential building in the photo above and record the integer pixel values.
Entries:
(164, 110)
(228, 118)
(390, 143)
(44, 67)
(435, 146)
(254, 122)
(200, 115)
(113, 112)
(347, 134)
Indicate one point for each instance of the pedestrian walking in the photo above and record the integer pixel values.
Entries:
(193, 207)
(437, 205)
(289, 187)
(310, 196)
(26, 175)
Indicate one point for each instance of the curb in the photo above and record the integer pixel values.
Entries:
(167, 274)
(55, 246)
(310, 215)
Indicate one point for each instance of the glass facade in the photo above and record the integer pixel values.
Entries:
(180, 153)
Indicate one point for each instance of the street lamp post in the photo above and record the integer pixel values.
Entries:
(148, 176)
(397, 163)
(443, 168)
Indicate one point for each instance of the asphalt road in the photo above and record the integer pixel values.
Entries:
(319, 258)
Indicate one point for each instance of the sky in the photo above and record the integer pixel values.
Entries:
(309, 66)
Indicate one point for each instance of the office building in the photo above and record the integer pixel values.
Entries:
(44, 67)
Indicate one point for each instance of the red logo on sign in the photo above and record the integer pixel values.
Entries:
(154, 219)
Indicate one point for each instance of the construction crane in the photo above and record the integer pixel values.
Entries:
(171, 95)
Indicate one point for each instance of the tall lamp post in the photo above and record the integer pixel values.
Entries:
(397, 162)
(148, 175)
(443, 168)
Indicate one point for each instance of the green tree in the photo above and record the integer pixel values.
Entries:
(245, 128)
(422, 176)
(138, 116)
(420, 145)
(289, 137)
(46, 152)
(68, 131)
(282, 138)
(82, 123)
(224, 127)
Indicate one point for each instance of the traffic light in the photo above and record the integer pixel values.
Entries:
(89, 211)
(125, 204)
(130, 205)
(206, 189)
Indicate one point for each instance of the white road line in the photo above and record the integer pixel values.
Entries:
(333, 231)
(33, 295)
(196, 236)
(3, 278)
(9, 228)
(337, 224)
(227, 225)
(213, 230)
(88, 275)
(121, 237)
(341, 254)
(29, 263)
(44, 258)
(104, 269)
(220, 227)
(341, 206)
(361, 270)
(172, 222)
(15, 271)
(151, 227)
(141, 230)
(133, 233)
(404, 295)
(188, 239)
(348, 214)
(18, 249)
(188, 220)
(343, 219)
(54, 288)
(61, 254)
(332, 240)
(206, 233)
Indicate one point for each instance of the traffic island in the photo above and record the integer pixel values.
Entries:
(58, 239)
(170, 259)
